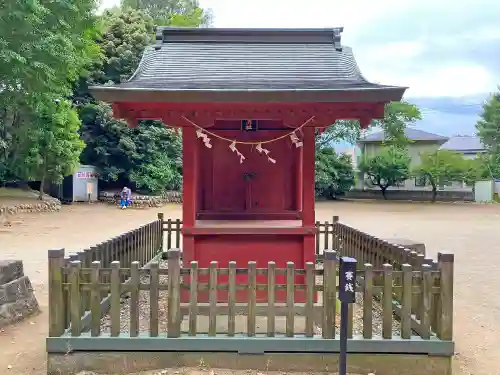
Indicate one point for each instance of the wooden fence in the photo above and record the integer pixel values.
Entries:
(431, 286)
(137, 246)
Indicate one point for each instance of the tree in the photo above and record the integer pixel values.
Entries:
(488, 127)
(148, 155)
(488, 130)
(182, 13)
(441, 166)
(44, 47)
(387, 168)
(342, 130)
(473, 170)
(396, 118)
(53, 145)
(334, 173)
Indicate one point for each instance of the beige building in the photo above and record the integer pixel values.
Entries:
(422, 142)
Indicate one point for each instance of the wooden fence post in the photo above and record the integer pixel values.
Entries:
(387, 302)
(174, 288)
(159, 247)
(75, 301)
(329, 293)
(115, 290)
(406, 298)
(335, 234)
(95, 300)
(445, 308)
(368, 302)
(56, 301)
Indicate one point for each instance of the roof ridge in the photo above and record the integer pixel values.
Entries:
(167, 34)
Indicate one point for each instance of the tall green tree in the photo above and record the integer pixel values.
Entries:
(488, 126)
(44, 47)
(442, 166)
(488, 130)
(53, 146)
(148, 155)
(389, 167)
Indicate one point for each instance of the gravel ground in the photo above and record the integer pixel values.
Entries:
(162, 311)
(215, 371)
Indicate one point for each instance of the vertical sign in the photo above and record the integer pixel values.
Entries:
(347, 295)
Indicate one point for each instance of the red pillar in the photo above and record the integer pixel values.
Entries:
(308, 194)
(298, 179)
(189, 190)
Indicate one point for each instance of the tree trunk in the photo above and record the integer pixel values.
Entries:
(42, 182)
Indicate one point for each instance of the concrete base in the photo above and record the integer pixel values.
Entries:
(120, 363)
(202, 323)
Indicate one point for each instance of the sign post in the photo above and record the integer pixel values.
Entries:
(347, 295)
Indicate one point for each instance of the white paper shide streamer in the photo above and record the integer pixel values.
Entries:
(204, 137)
(233, 148)
(295, 140)
(266, 152)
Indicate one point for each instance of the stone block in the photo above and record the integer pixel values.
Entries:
(10, 270)
(14, 312)
(15, 290)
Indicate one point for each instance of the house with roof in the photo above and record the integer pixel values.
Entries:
(469, 146)
(422, 142)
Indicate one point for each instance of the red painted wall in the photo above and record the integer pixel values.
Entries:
(245, 248)
(222, 187)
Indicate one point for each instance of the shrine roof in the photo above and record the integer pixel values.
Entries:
(248, 65)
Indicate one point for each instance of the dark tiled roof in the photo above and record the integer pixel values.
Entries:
(464, 144)
(411, 133)
(245, 60)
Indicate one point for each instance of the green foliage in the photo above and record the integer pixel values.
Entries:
(148, 155)
(488, 127)
(439, 167)
(473, 170)
(181, 13)
(53, 145)
(44, 47)
(334, 173)
(488, 130)
(389, 167)
(341, 130)
(398, 115)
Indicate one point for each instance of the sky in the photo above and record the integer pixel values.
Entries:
(435, 47)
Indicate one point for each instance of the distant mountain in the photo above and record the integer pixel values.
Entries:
(446, 116)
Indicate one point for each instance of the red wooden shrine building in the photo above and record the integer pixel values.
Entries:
(248, 102)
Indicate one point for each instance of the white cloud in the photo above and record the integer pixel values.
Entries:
(391, 38)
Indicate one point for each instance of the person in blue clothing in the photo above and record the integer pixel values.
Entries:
(126, 197)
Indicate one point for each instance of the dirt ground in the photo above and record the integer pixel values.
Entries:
(470, 231)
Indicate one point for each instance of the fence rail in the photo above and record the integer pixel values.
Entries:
(334, 235)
